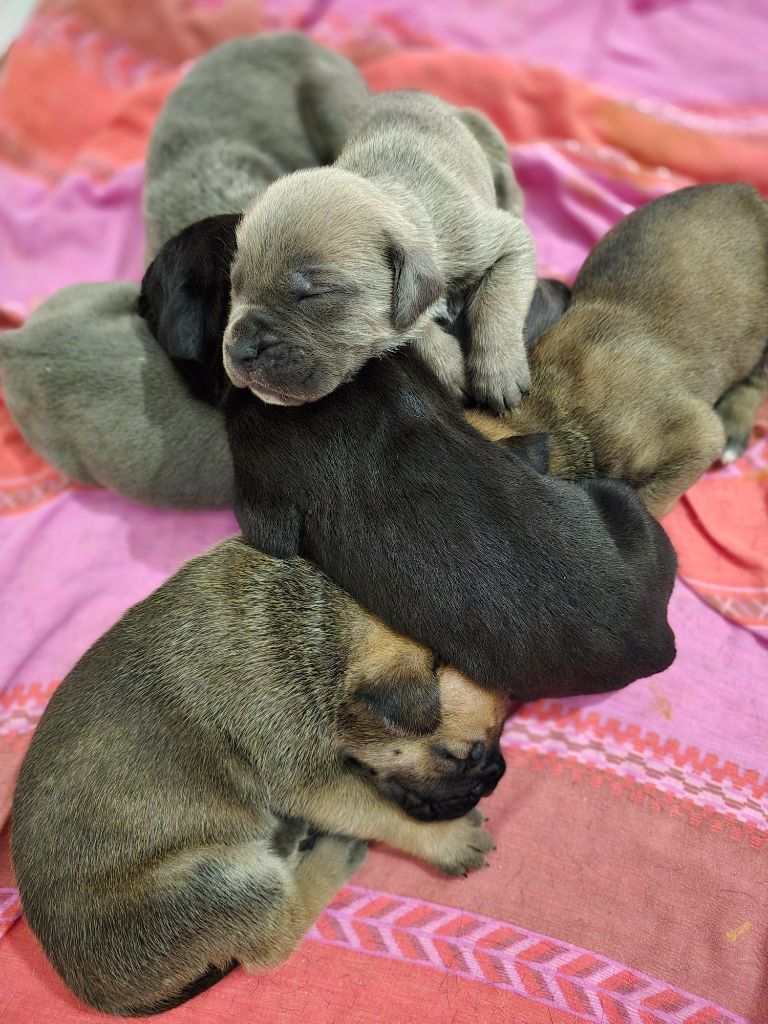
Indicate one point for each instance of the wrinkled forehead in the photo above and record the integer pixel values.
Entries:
(292, 226)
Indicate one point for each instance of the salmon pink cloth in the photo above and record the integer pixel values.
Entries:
(630, 882)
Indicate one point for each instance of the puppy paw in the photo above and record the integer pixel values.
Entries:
(499, 384)
(734, 449)
(463, 845)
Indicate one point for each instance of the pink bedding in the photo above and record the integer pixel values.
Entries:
(630, 883)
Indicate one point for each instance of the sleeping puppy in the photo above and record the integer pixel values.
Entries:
(92, 391)
(660, 364)
(278, 103)
(166, 818)
(529, 585)
(337, 265)
(185, 298)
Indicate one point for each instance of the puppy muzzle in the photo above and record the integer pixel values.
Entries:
(445, 798)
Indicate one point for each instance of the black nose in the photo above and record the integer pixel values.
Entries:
(473, 758)
(477, 753)
(252, 335)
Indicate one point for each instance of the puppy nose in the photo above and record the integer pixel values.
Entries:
(471, 760)
(477, 753)
(252, 336)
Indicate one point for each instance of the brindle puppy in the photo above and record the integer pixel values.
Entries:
(660, 364)
(165, 818)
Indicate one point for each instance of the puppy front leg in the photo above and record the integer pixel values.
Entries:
(496, 315)
(443, 355)
(354, 808)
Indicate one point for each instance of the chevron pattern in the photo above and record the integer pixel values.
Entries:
(542, 969)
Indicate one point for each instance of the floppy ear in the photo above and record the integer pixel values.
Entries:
(550, 300)
(185, 291)
(532, 449)
(417, 282)
(409, 707)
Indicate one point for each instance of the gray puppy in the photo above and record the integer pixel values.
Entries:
(92, 391)
(250, 111)
(86, 383)
(159, 822)
(338, 265)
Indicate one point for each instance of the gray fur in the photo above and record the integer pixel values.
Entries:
(250, 111)
(342, 264)
(87, 385)
(94, 394)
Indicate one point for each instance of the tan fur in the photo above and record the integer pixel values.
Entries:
(658, 366)
(171, 788)
(338, 265)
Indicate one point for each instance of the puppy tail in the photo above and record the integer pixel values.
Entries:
(206, 980)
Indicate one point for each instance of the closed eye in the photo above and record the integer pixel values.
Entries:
(312, 294)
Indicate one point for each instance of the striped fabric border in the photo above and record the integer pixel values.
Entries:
(629, 752)
(10, 908)
(22, 706)
(543, 969)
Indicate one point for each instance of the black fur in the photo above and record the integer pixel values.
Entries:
(536, 586)
(189, 302)
(207, 980)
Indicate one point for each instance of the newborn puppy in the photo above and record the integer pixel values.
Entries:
(335, 266)
(92, 391)
(278, 103)
(660, 364)
(165, 819)
(529, 585)
(185, 299)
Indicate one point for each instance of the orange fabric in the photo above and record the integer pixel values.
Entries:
(531, 104)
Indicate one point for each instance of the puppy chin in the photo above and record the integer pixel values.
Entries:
(275, 398)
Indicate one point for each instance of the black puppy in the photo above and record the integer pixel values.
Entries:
(535, 586)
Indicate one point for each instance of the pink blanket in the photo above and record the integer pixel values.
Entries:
(630, 883)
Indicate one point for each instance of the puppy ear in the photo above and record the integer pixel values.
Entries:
(417, 282)
(532, 449)
(185, 290)
(550, 300)
(406, 707)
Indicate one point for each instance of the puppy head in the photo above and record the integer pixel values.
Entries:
(185, 300)
(327, 275)
(424, 734)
